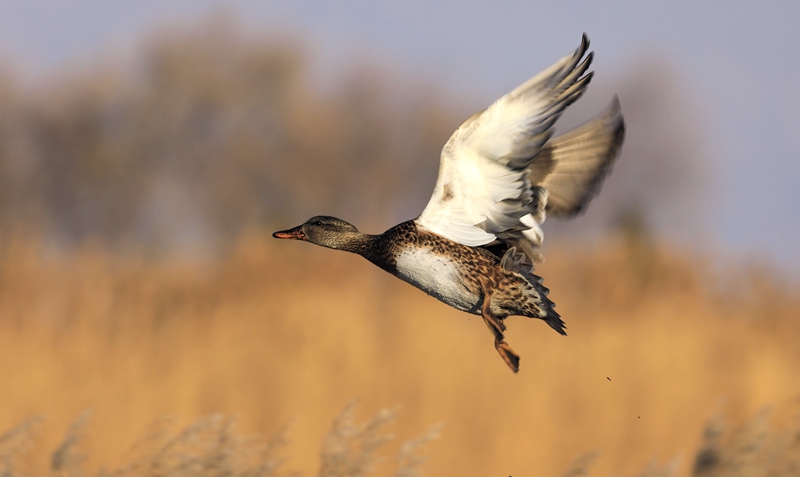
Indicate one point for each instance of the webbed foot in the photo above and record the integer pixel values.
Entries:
(509, 356)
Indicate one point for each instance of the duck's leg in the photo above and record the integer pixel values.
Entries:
(497, 327)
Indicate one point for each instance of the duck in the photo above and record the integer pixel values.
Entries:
(501, 173)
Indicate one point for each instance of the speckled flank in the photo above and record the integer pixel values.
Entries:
(455, 274)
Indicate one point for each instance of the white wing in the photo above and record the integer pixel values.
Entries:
(483, 192)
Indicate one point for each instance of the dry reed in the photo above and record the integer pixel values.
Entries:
(280, 332)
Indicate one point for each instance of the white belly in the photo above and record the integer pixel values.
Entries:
(437, 276)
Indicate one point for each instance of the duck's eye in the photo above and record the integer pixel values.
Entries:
(317, 222)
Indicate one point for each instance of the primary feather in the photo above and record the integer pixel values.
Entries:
(500, 171)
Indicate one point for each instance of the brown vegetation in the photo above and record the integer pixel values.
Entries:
(289, 333)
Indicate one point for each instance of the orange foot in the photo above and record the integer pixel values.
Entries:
(509, 356)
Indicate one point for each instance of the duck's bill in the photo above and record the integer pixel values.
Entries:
(293, 234)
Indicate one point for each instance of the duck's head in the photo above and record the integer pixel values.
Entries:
(323, 230)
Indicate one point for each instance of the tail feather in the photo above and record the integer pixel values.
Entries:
(537, 305)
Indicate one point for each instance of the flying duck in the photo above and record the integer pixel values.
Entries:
(500, 174)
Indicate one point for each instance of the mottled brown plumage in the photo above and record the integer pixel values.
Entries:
(496, 287)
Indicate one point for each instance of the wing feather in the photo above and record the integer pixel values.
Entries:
(483, 192)
(572, 166)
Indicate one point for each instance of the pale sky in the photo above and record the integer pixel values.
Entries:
(738, 61)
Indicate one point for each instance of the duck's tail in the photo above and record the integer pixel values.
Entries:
(536, 303)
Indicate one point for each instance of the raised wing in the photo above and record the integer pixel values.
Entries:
(483, 192)
(572, 166)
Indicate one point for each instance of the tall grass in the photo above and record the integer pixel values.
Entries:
(280, 333)
(212, 446)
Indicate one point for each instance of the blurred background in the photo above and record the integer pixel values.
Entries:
(147, 150)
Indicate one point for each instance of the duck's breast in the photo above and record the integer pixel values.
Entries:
(437, 275)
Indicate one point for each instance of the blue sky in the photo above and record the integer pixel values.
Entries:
(739, 63)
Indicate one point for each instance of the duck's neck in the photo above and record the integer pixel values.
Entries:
(358, 243)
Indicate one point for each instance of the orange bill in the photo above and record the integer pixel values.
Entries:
(293, 234)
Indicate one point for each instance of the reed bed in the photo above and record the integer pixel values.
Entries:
(281, 335)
